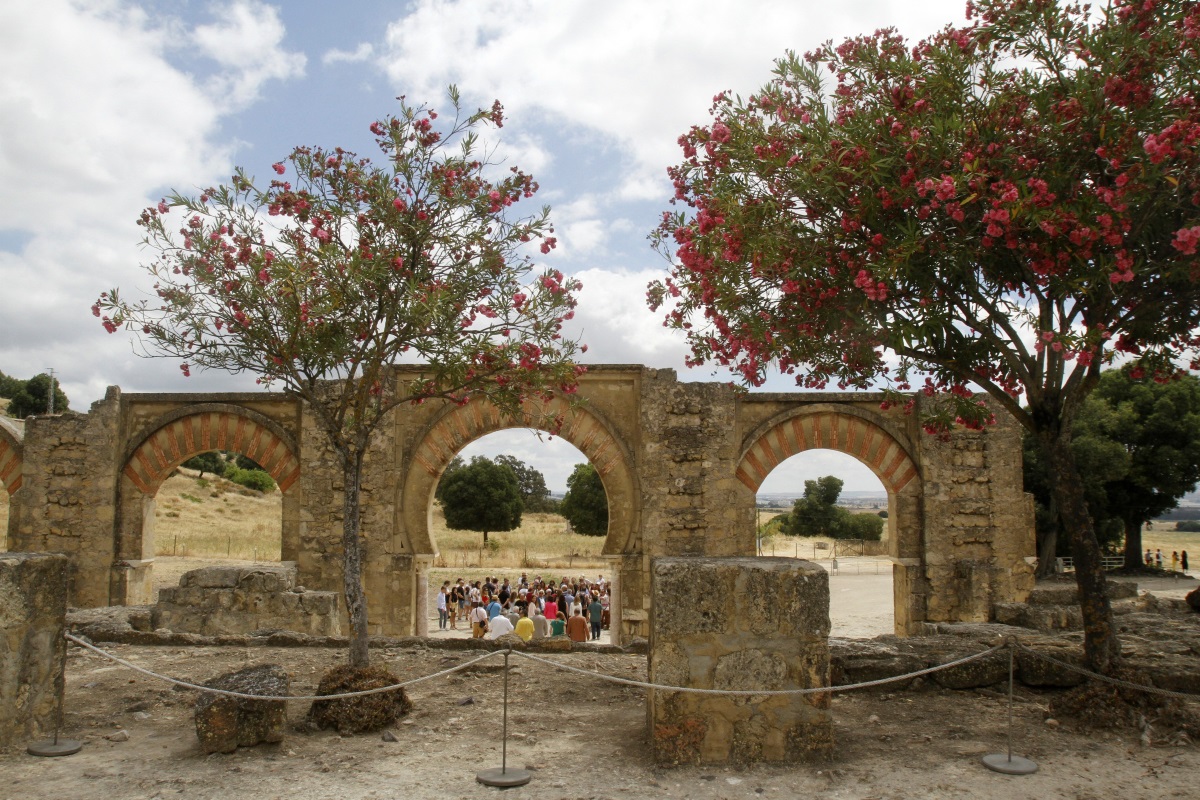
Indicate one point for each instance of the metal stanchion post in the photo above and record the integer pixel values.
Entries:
(1008, 763)
(504, 777)
(65, 747)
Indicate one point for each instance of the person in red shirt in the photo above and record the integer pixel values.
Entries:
(577, 628)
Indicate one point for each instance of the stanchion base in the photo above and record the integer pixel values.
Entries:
(1016, 765)
(504, 778)
(63, 747)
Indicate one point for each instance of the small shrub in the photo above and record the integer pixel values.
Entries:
(1188, 525)
(254, 479)
(193, 498)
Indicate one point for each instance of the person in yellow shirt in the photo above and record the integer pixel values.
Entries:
(524, 628)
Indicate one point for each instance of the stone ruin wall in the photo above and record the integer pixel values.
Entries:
(961, 530)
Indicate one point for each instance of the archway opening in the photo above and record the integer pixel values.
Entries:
(830, 508)
(217, 507)
(527, 567)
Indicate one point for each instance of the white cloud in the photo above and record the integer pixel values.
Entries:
(364, 52)
(584, 237)
(613, 321)
(638, 73)
(246, 42)
(94, 121)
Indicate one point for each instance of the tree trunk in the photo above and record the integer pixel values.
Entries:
(1100, 644)
(1048, 554)
(485, 537)
(1133, 543)
(352, 561)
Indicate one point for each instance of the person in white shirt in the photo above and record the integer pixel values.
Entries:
(479, 621)
(500, 625)
(443, 613)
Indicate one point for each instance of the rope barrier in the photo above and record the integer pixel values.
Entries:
(1141, 687)
(244, 696)
(764, 692)
(1011, 643)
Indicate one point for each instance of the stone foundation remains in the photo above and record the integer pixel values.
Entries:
(739, 623)
(229, 600)
(33, 610)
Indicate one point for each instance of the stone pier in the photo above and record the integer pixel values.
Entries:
(739, 624)
(33, 652)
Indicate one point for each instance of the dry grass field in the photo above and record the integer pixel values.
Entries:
(210, 517)
(213, 518)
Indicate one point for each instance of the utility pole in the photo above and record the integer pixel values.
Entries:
(50, 394)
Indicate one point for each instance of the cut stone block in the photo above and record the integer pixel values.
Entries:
(223, 723)
(739, 624)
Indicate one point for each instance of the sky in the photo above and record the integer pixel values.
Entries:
(107, 105)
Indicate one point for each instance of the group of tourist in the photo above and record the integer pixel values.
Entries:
(532, 608)
(1178, 560)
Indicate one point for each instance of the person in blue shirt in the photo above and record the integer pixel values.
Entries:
(493, 609)
(595, 616)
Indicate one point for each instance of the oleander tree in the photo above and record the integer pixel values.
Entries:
(1003, 208)
(339, 268)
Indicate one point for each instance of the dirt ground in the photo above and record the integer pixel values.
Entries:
(579, 737)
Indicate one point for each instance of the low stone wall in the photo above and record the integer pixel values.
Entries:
(1055, 606)
(740, 624)
(230, 600)
(33, 608)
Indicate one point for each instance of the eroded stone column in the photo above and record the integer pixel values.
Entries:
(33, 610)
(740, 624)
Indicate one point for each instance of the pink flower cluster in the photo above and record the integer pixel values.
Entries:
(1186, 239)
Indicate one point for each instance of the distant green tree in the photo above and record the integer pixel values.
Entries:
(858, 526)
(535, 497)
(211, 461)
(1137, 444)
(9, 386)
(455, 464)
(1099, 462)
(1157, 425)
(586, 505)
(244, 462)
(1188, 526)
(482, 496)
(815, 514)
(32, 397)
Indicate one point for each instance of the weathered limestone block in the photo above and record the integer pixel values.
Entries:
(33, 610)
(1055, 607)
(223, 723)
(739, 624)
(229, 600)
(859, 662)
